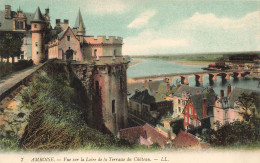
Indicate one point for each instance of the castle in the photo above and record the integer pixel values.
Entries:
(97, 62)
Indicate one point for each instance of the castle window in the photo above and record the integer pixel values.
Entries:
(113, 106)
(68, 38)
(36, 43)
(35, 25)
(95, 52)
(37, 52)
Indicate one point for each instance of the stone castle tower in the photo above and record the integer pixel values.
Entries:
(38, 27)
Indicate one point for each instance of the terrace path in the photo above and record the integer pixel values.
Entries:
(12, 81)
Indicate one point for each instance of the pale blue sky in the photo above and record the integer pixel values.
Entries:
(162, 26)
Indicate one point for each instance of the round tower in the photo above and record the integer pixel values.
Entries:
(38, 25)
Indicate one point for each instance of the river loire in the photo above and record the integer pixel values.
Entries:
(146, 67)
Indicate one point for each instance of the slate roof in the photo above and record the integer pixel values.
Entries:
(131, 87)
(185, 140)
(7, 24)
(144, 96)
(79, 20)
(196, 100)
(61, 34)
(224, 103)
(154, 85)
(186, 88)
(38, 16)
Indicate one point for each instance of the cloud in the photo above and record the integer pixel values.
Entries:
(151, 42)
(199, 33)
(142, 19)
(101, 7)
(212, 21)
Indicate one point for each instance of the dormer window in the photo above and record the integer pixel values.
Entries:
(68, 38)
(18, 25)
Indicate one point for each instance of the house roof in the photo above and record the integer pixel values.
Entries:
(188, 89)
(145, 132)
(132, 133)
(197, 101)
(38, 16)
(154, 85)
(185, 139)
(155, 136)
(131, 87)
(144, 96)
(7, 24)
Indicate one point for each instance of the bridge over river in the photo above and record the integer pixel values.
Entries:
(198, 76)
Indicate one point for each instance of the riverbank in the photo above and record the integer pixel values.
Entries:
(193, 63)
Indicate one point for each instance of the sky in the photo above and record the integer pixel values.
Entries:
(159, 27)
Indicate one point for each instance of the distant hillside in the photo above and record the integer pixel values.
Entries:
(198, 57)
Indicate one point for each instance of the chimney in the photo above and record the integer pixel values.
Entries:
(66, 21)
(8, 14)
(204, 108)
(229, 90)
(221, 94)
(47, 11)
(168, 87)
(57, 22)
(145, 84)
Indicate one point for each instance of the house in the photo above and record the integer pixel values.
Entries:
(149, 107)
(198, 108)
(227, 108)
(145, 135)
(180, 96)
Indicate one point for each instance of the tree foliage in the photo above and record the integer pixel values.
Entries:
(249, 104)
(240, 132)
(10, 44)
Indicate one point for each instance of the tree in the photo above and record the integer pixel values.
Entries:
(10, 45)
(249, 104)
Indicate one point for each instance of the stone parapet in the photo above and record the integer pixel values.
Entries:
(103, 40)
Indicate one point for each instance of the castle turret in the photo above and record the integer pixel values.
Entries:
(38, 26)
(79, 25)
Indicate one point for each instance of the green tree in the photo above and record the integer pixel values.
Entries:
(249, 104)
(10, 45)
